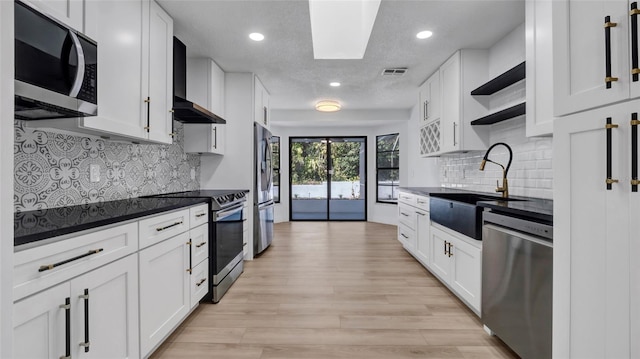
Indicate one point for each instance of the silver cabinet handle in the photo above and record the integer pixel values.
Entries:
(454, 134)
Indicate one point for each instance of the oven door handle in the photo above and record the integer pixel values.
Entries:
(228, 212)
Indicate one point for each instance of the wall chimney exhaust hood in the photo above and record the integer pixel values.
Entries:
(184, 110)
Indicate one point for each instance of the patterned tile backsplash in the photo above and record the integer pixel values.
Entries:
(52, 169)
(531, 172)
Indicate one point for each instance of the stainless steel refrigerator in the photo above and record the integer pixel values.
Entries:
(263, 187)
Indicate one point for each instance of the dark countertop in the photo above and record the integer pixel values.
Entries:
(537, 208)
(33, 226)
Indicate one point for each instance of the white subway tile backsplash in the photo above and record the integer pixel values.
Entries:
(531, 172)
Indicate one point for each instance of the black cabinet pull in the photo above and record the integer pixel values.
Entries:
(445, 248)
(47, 267)
(67, 327)
(634, 41)
(200, 282)
(609, 126)
(148, 102)
(86, 343)
(634, 152)
(607, 51)
(160, 229)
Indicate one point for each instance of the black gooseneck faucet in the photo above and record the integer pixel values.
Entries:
(505, 186)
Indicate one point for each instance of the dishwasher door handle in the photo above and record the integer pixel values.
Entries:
(519, 234)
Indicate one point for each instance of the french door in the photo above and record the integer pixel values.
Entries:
(327, 179)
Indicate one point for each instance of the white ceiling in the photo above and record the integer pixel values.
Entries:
(284, 60)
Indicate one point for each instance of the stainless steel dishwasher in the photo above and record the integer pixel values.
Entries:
(517, 275)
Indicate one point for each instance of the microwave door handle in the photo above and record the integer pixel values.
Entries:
(77, 83)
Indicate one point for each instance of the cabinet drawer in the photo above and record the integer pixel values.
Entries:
(407, 215)
(422, 202)
(408, 198)
(198, 215)
(199, 282)
(199, 238)
(158, 228)
(44, 266)
(407, 237)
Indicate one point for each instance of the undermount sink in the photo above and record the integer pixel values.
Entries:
(460, 212)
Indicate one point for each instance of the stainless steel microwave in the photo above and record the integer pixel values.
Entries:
(56, 68)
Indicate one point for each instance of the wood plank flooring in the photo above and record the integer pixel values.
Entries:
(334, 290)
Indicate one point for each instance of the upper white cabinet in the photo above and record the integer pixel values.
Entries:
(591, 51)
(261, 104)
(539, 67)
(459, 75)
(205, 138)
(135, 72)
(429, 98)
(69, 12)
(205, 84)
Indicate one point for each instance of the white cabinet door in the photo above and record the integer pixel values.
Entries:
(261, 104)
(118, 27)
(112, 298)
(205, 84)
(199, 243)
(407, 237)
(424, 235)
(204, 138)
(440, 260)
(430, 99)
(579, 54)
(39, 325)
(466, 271)
(591, 264)
(451, 111)
(164, 289)
(539, 67)
(160, 85)
(69, 12)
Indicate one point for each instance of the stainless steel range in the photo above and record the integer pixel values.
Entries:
(226, 220)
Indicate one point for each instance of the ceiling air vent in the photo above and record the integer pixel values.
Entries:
(396, 71)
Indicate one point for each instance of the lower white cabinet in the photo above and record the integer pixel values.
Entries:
(423, 236)
(407, 237)
(164, 289)
(51, 323)
(458, 263)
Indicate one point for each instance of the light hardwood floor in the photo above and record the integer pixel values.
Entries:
(334, 290)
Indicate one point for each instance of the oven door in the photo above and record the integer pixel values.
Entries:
(228, 230)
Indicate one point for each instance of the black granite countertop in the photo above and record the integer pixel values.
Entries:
(34, 226)
(537, 208)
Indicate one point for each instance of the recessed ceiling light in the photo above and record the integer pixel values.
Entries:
(334, 84)
(328, 106)
(256, 36)
(424, 34)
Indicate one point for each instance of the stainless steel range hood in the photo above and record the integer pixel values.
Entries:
(184, 110)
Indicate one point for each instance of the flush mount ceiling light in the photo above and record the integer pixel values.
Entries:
(341, 29)
(256, 36)
(424, 35)
(334, 84)
(328, 106)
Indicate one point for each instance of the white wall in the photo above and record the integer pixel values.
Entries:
(234, 170)
(384, 122)
(6, 177)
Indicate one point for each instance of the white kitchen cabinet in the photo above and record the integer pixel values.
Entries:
(579, 54)
(414, 225)
(199, 238)
(205, 84)
(429, 99)
(423, 237)
(261, 104)
(458, 262)
(595, 284)
(135, 73)
(407, 236)
(204, 138)
(539, 67)
(464, 71)
(165, 286)
(43, 321)
(69, 12)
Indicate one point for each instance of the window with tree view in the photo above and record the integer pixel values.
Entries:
(387, 168)
(275, 158)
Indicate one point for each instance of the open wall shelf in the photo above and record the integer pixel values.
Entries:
(504, 80)
(507, 113)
